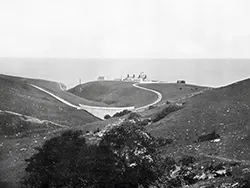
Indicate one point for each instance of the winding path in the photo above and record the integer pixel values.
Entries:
(102, 111)
(159, 97)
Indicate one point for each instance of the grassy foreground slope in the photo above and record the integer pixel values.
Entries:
(28, 118)
(225, 111)
(114, 93)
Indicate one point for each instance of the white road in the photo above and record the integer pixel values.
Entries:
(100, 111)
(159, 97)
(56, 97)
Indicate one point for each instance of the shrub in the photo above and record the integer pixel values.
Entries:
(144, 122)
(187, 160)
(50, 167)
(120, 114)
(134, 116)
(107, 116)
(151, 107)
(163, 141)
(167, 102)
(163, 113)
(125, 157)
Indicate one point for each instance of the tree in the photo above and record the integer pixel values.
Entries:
(136, 153)
(125, 157)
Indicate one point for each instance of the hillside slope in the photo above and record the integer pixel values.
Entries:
(55, 88)
(224, 111)
(173, 91)
(18, 96)
(114, 93)
(28, 118)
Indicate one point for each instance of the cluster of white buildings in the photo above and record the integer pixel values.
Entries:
(129, 78)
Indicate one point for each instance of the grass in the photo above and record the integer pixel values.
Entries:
(224, 111)
(172, 91)
(20, 97)
(114, 93)
(18, 134)
(55, 88)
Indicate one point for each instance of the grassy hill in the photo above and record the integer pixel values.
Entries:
(114, 93)
(18, 96)
(224, 111)
(28, 118)
(55, 88)
(173, 91)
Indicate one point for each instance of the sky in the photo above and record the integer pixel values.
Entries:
(125, 28)
(64, 40)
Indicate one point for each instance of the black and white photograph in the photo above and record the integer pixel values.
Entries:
(124, 94)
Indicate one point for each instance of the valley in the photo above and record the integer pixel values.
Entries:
(209, 124)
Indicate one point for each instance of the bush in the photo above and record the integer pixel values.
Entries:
(151, 107)
(163, 113)
(134, 116)
(120, 114)
(107, 116)
(187, 160)
(144, 122)
(125, 157)
(50, 167)
(163, 141)
(167, 102)
(138, 152)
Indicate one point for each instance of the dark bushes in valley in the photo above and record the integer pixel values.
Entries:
(138, 119)
(107, 116)
(163, 113)
(133, 116)
(120, 114)
(167, 102)
(144, 122)
(151, 107)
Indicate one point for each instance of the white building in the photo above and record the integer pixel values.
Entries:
(133, 78)
(101, 78)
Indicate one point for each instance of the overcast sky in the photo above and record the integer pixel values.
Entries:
(126, 29)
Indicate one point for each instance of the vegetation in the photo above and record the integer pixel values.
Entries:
(114, 93)
(125, 157)
(19, 97)
(151, 107)
(107, 116)
(163, 113)
(120, 114)
(134, 116)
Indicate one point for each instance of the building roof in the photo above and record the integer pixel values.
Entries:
(101, 78)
